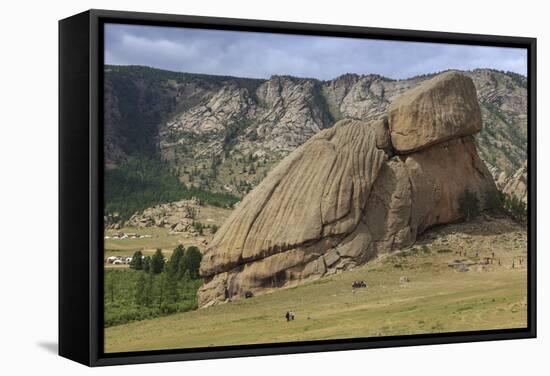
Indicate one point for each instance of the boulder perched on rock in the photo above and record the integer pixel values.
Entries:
(441, 109)
(345, 196)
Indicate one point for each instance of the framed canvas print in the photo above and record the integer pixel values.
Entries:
(239, 187)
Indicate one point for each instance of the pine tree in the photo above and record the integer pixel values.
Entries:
(148, 290)
(191, 261)
(137, 261)
(157, 262)
(175, 262)
(468, 205)
(110, 286)
(172, 293)
(175, 258)
(516, 208)
(495, 201)
(147, 264)
(140, 289)
(162, 282)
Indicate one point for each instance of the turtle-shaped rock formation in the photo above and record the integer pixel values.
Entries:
(351, 192)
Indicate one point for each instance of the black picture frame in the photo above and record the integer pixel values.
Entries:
(81, 186)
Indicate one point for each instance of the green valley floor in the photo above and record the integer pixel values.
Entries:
(449, 288)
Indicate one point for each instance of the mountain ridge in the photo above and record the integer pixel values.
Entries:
(115, 67)
(224, 133)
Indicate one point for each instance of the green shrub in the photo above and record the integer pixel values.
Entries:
(468, 205)
(516, 208)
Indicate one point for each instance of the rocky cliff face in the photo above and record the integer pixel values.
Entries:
(513, 185)
(516, 185)
(225, 133)
(353, 191)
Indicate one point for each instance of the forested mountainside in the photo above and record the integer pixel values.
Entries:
(222, 134)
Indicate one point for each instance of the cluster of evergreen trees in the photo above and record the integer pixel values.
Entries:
(153, 286)
(499, 202)
(183, 265)
(516, 208)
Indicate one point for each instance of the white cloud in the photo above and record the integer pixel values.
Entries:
(262, 55)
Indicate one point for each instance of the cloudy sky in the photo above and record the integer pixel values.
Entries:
(262, 55)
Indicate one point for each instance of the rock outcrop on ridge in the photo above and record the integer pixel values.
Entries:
(177, 216)
(349, 193)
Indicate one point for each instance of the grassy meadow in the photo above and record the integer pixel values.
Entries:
(161, 237)
(438, 298)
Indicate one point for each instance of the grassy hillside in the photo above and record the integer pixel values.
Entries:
(121, 287)
(160, 237)
(438, 298)
(143, 182)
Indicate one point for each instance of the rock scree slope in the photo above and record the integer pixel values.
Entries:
(353, 191)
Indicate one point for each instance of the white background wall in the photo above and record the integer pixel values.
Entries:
(28, 186)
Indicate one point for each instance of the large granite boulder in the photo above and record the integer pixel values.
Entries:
(347, 195)
(440, 109)
(318, 191)
(440, 175)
